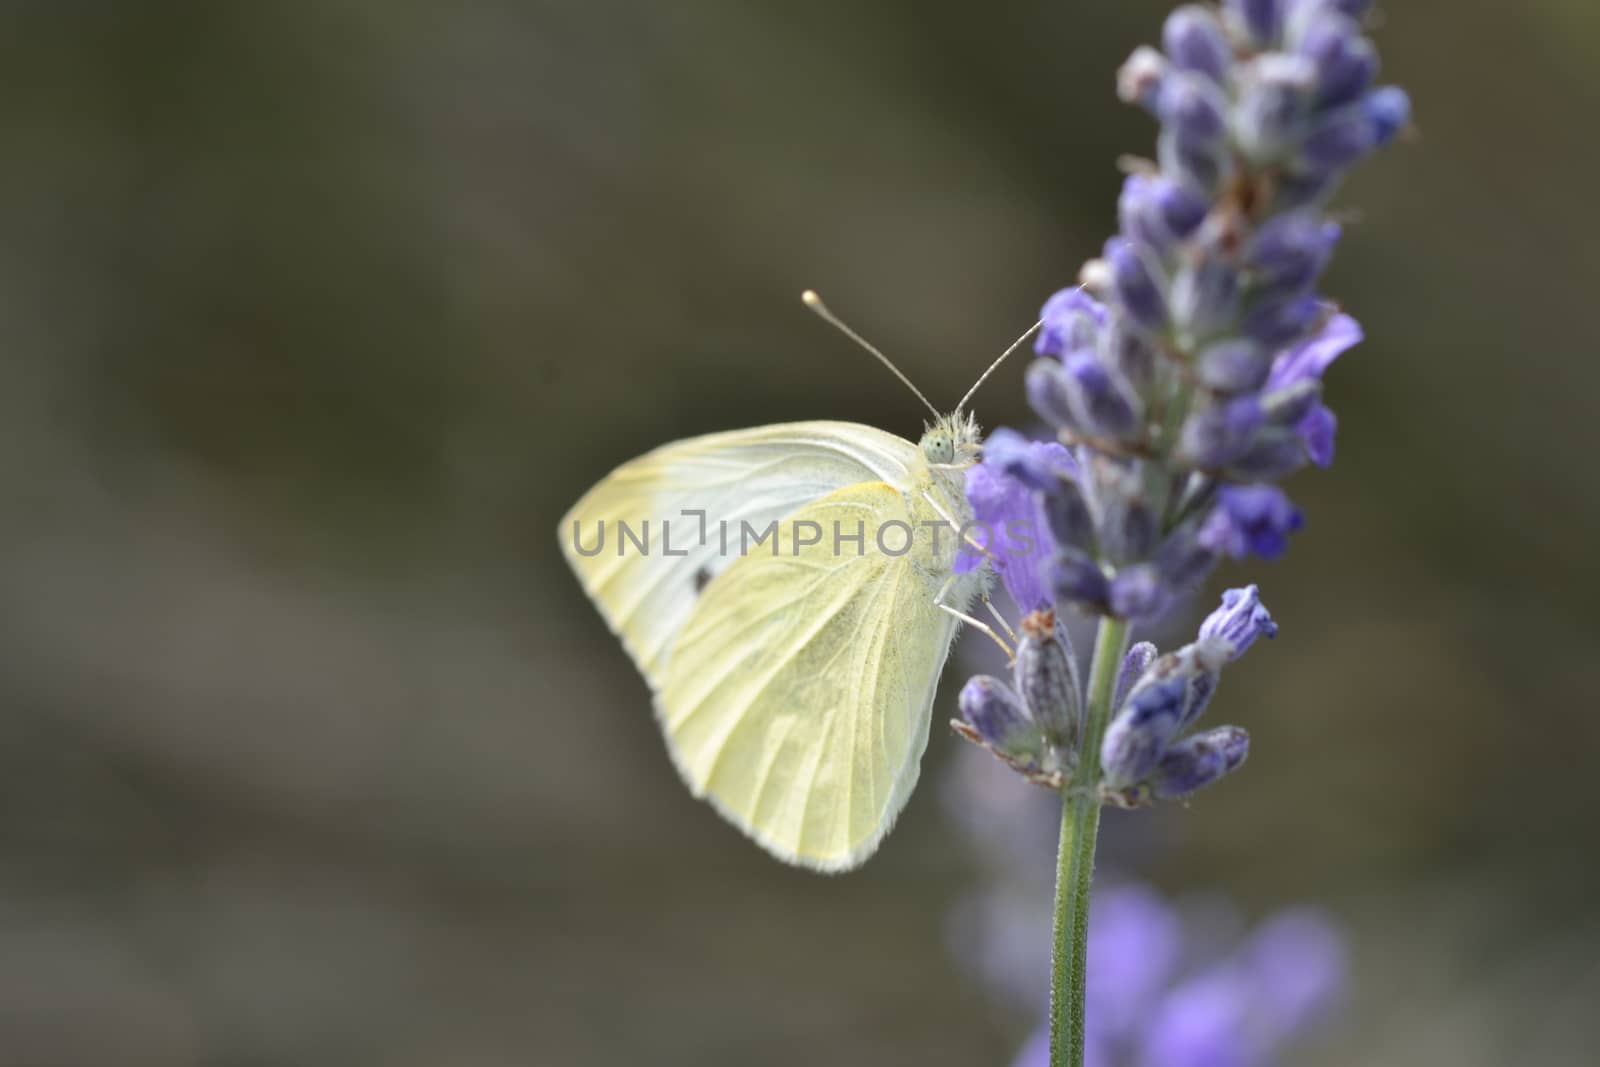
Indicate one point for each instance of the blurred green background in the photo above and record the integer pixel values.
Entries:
(317, 314)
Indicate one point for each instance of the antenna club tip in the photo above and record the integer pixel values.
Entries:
(810, 299)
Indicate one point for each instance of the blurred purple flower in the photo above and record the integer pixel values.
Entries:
(1300, 962)
(1153, 1000)
(1135, 945)
(1205, 1022)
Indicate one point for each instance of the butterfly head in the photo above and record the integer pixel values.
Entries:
(952, 441)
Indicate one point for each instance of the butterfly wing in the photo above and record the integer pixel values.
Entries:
(754, 476)
(798, 692)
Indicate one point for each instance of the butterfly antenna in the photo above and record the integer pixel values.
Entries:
(996, 364)
(814, 302)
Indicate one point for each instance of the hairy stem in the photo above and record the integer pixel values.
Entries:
(1080, 824)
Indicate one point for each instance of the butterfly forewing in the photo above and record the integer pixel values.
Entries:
(756, 477)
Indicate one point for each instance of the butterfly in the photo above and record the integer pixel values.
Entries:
(790, 594)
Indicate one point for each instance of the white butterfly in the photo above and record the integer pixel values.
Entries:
(793, 674)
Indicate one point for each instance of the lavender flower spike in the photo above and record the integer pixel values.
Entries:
(1183, 379)
(1210, 283)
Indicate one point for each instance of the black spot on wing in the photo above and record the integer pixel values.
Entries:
(702, 578)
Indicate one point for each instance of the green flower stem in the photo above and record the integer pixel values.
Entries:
(1080, 824)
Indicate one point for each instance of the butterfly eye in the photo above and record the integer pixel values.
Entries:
(938, 449)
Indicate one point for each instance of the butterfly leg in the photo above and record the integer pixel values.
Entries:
(1000, 618)
(981, 549)
(938, 602)
(972, 542)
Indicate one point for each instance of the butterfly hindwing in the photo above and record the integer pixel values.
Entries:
(798, 690)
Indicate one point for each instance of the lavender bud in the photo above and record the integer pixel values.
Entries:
(1128, 524)
(1296, 192)
(1103, 408)
(1194, 108)
(1047, 678)
(1138, 215)
(1215, 436)
(1291, 250)
(1128, 351)
(1303, 14)
(1139, 78)
(1068, 516)
(1271, 111)
(1286, 407)
(1273, 454)
(1337, 140)
(1070, 319)
(1197, 667)
(1194, 40)
(1205, 297)
(1389, 111)
(1134, 665)
(1157, 211)
(1346, 62)
(1232, 366)
(1277, 322)
(1196, 762)
(1046, 386)
(1135, 284)
(1183, 559)
(1000, 718)
(1077, 578)
(1138, 592)
(1260, 20)
(1183, 208)
(1202, 166)
(1239, 621)
(1138, 735)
